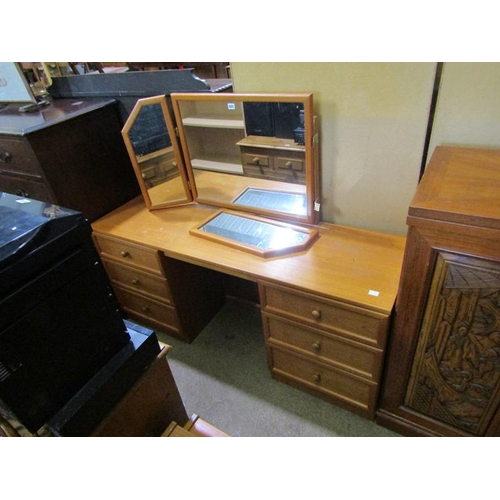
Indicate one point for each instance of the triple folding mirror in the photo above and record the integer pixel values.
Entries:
(254, 153)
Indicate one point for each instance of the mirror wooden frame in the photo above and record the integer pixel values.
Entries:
(310, 154)
(182, 193)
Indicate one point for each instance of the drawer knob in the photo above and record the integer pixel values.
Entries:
(316, 346)
(136, 282)
(316, 314)
(145, 309)
(5, 157)
(125, 254)
(256, 161)
(288, 164)
(317, 377)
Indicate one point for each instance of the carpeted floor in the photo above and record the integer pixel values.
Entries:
(223, 377)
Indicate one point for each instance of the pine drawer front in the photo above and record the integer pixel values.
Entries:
(17, 157)
(128, 253)
(138, 281)
(350, 321)
(359, 359)
(148, 310)
(333, 385)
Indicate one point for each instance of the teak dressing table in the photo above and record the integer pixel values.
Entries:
(326, 308)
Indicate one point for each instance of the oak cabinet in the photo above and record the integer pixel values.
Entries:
(443, 368)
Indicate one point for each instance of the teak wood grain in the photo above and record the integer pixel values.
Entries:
(355, 266)
(454, 215)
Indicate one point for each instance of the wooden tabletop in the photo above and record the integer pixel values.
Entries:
(460, 185)
(355, 266)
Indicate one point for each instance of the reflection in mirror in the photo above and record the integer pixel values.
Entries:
(254, 234)
(241, 148)
(147, 135)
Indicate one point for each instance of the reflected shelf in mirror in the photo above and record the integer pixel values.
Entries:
(261, 141)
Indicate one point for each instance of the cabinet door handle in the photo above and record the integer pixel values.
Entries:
(316, 346)
(317, 377)
(5, 157)
(316, 313)
(23, 193)
(124, 253)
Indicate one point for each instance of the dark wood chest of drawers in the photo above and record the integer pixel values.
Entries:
(69, 153)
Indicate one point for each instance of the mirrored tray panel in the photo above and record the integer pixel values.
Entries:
(262, 237)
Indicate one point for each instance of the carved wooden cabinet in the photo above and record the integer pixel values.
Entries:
(69, 153)
(443, 369)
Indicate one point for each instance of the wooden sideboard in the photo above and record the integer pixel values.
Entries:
(326, 311)
(69, 153)
(442, 376)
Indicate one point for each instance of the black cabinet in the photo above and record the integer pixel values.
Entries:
(59, 319)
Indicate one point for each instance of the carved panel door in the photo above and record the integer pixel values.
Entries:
(455, 376)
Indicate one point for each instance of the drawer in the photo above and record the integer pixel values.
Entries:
(362, 360)
(256, 159)
(128, 253)
(27, 188)
(350, 321)
(289, 164)
(130, 277)
(333, 385)
(145, 307)
(17, 157)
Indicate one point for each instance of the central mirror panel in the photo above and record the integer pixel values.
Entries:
(250, 152)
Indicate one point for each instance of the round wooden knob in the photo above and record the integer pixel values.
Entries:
(124, 253)
(5, 157)
(174, 164)
(135, 282)
(316, 346)
(317, 377)
(256, 161)
(316, 314)
(145, 309)
(288, 164)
